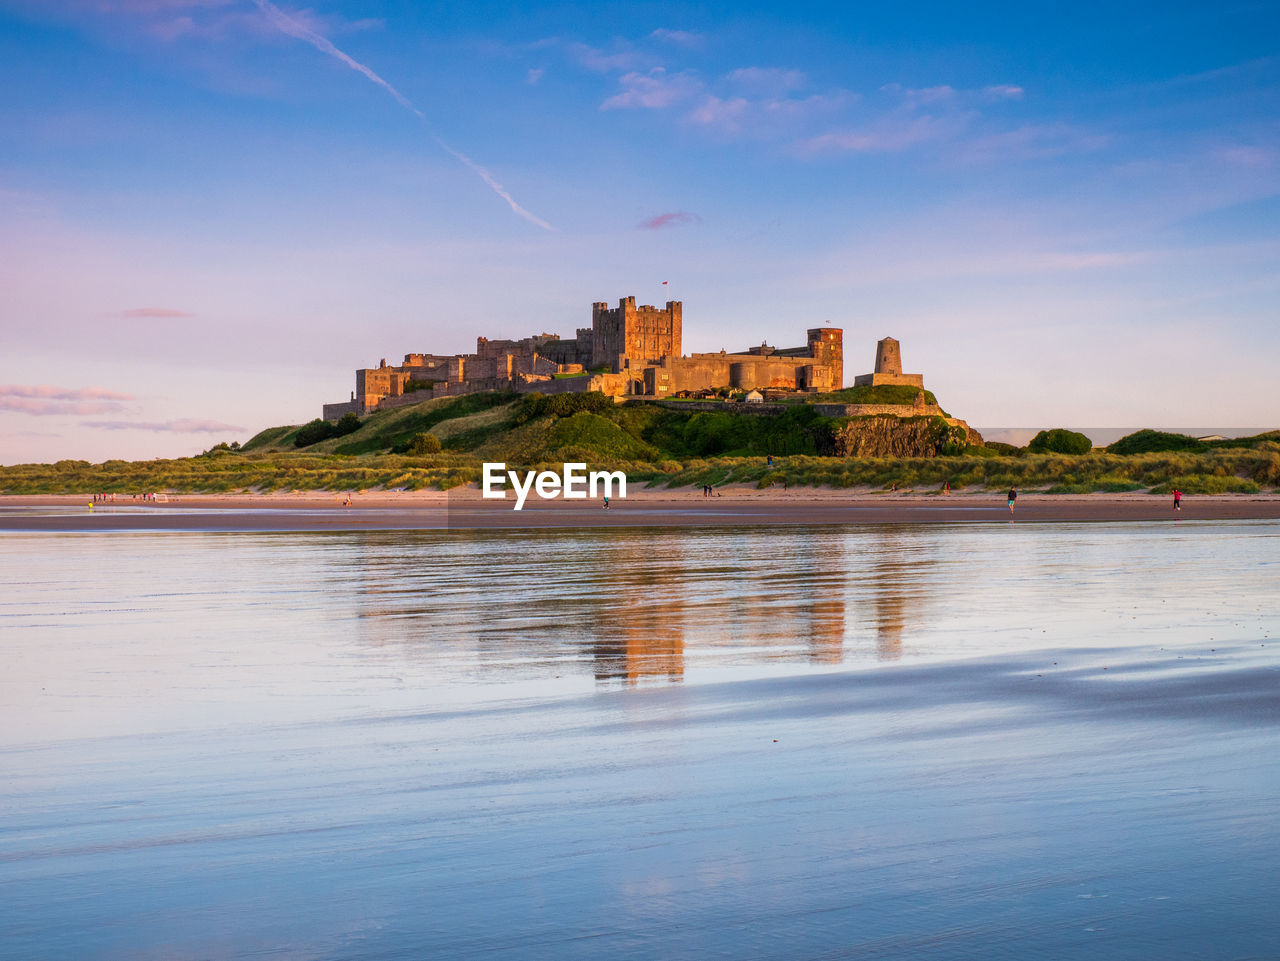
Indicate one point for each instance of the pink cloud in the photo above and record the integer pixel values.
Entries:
(674, 219)
(603, 61)
(726, 115)
(49, 392)
(53, 408)
(652, 91)
(181, 426)
(153, 313)
(45, 400)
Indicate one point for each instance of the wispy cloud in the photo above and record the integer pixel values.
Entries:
(54, 408)
(46, 400)
(181, 426)
(1003, 91)
(295, 28)
(923, 96)
(49, 392)
(676, 218)
(654, 90)
(1241, 155)
(25, 434)
(769, 81)
(886, 136)
(533, 76)
(762, 118)
(1031, 142)
(152, 313)
(681, 38)
(622, 57)
(762, 103)
(171, 21)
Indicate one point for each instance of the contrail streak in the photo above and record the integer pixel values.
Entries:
(287, 25)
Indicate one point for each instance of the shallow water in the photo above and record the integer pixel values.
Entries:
(1048, 741)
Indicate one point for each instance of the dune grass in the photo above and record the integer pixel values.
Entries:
(655, 445)
(546, 443)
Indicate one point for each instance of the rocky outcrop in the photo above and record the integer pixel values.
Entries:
(889, 436)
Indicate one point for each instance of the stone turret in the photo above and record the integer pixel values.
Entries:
(888, 368)
(888, 357)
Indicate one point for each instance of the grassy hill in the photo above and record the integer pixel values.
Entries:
(662, 445)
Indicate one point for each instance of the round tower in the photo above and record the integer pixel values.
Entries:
(888, 357)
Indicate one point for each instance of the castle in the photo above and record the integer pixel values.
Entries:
(627, 351)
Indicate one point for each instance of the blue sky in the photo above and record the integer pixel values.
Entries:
(1067, 213)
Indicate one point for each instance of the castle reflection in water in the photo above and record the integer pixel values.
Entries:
(636, 606)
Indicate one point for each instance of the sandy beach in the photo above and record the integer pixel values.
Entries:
(465, 509)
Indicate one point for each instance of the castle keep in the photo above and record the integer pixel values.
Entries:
(627, 350)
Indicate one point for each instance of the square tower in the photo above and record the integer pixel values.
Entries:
(639, 335)
(826, 346)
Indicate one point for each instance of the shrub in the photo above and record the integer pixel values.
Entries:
(560, 405)
(425, 444)
(318, 430)
(1148, 441)
(312, 433)
(1005, 450)
(1060, 441)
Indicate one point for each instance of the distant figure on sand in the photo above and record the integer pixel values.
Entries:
(1177, 499)
(1013, 496)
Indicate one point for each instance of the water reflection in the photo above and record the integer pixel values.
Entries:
(385, 732)
(899, 577)
(638, 606)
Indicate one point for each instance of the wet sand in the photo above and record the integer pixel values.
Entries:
(465, 509)
(922, 742)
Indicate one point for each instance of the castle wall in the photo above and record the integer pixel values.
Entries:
(718, 406)
(696, 372)
(875, 380)
(335, 411)
(639, 346)
(758, 373)
(863, 410)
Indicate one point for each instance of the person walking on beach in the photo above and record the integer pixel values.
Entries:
(1177, 499)
(1013, 496)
